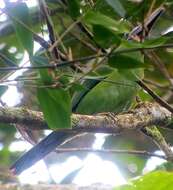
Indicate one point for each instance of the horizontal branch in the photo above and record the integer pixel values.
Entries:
(145, 114)
(111, 151)
(82, 59)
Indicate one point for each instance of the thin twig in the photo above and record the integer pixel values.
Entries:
(50, 26)
(36, 37)
(83, 59)
(54, 83)
(160, 65)
(20, 22)
(62, 36)
(85, 43)
(7, 60)
(157, 85)
(111, 151)
(157, 98)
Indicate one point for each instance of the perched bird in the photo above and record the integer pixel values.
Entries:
(114, 93)
(104, 95)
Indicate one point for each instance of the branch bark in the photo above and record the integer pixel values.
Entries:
(159, 140)
(145, 114)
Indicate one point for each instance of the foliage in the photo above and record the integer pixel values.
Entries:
(153, 180)
(110, 58)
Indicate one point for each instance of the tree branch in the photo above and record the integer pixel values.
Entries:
(145, 114)
(111, 151)
(159, 140)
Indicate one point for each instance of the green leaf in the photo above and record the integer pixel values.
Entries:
(124, 62)
(117, 6)
(74, 8)
(115, 94)
(148, 43)
(154, 180)
(21, 21)
(105, 37)
(154, 42)
(96, 18)
(129, 44)
(55, 103)
(44, 74)
(56, 107)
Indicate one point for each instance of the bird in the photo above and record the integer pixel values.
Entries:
(94, 94)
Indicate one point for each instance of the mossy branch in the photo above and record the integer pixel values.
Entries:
(145, 114)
